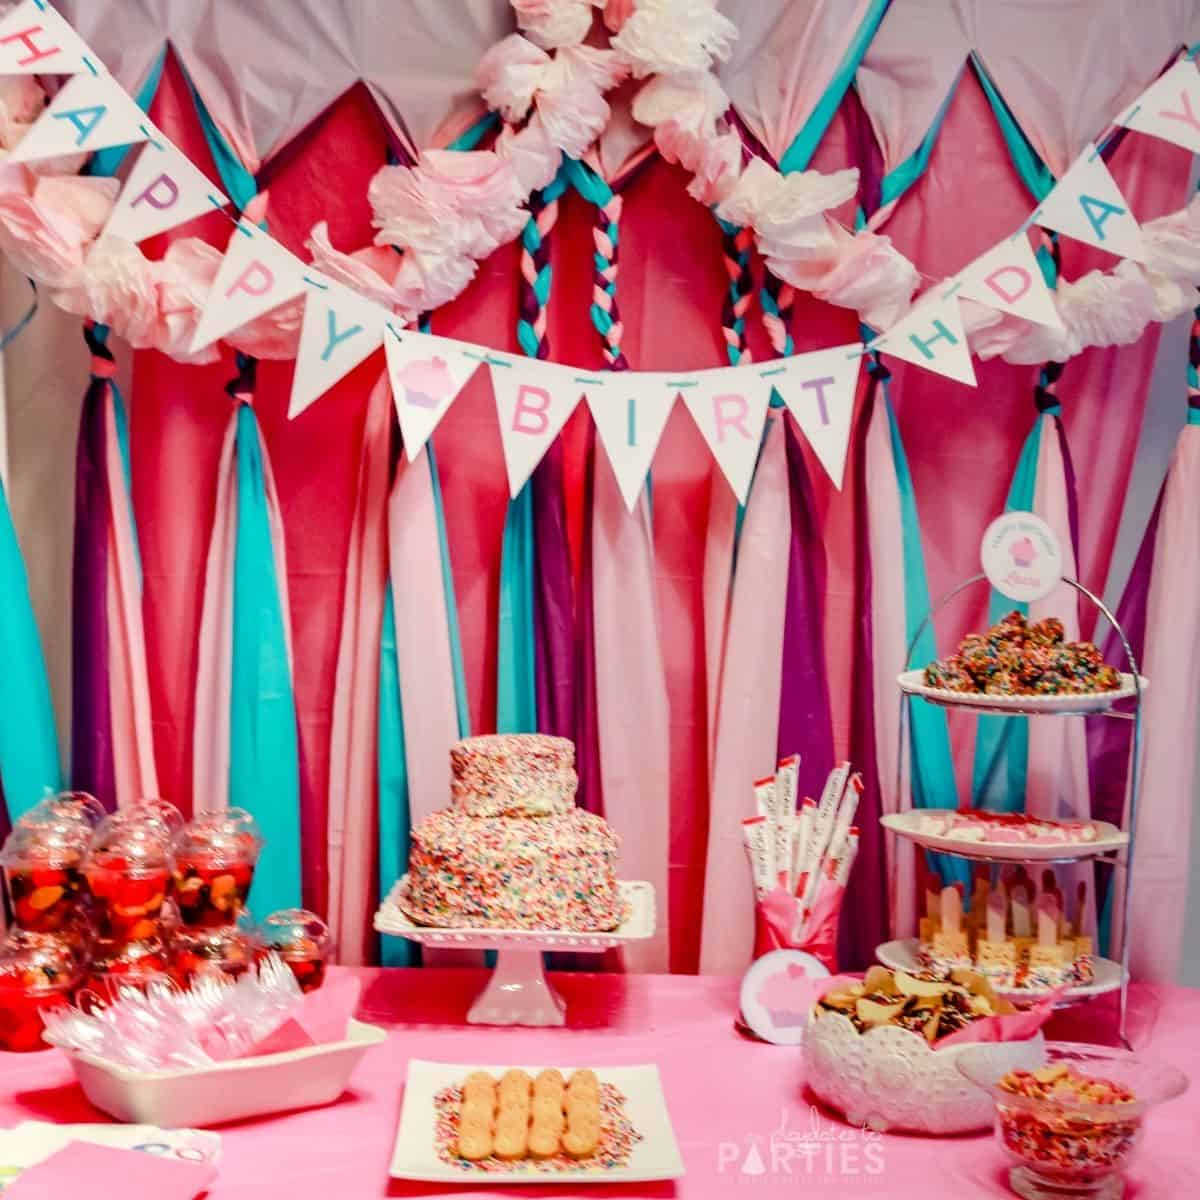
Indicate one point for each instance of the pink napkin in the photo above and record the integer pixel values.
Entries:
(83, 1169)
(322, 1017)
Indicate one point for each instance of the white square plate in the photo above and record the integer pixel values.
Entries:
(415, 1155)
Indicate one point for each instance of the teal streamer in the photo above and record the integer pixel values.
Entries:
(29, 762)
(516, 677)
(1034, 173)
(239, 183)
(395, 818)
(1002, 743)
(456, 651)
(900, 178)
(121, 422)
(264, 774)
(931, 771)
(108, 161)
(804, 145)
(471, 137)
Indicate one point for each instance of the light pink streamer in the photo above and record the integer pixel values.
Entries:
(422, 638)
(889, 644)
(1057, 782)
(749, 709)
(1171, 661)
(718, 572)
(214, 672)
(631, 699)
(353, 740)
(129, 685)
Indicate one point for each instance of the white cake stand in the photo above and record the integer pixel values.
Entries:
(518, 992)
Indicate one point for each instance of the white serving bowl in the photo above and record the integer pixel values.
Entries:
(229, 1091)
(891, 1078)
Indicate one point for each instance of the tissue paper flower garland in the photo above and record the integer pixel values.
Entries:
(452, 208)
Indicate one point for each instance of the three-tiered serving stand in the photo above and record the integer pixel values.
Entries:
(1091, 705)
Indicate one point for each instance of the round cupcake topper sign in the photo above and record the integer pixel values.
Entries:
(1021, 556)
(777, 993)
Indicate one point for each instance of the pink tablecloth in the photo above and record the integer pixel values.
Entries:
(727, 1097)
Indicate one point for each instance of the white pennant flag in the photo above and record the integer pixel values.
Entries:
(340, 329)
(1086, 204)
(1170, 107)
(1008, 279)
(630, 409)
(533, 401)
(36, 40)
(729, 404)
(164, 189)
(931, 335)
(819, 389)
(91, 112)
(256, 275)
(427, 373)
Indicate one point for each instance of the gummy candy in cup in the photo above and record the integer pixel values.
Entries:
(42, 864)
(302, 940)
(215, 856)
(128, 873)
(37, 973)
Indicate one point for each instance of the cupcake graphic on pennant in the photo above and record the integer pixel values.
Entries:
(427, 373)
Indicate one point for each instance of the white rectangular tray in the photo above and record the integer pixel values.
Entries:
(227, 1091)
(415, 1156)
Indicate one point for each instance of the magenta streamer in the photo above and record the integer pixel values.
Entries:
(92, 767)
(864, 918)
(554, 616)
(805, 722)
(587, 720)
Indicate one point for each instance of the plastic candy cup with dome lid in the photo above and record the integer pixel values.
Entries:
(1071, 1126)
(202, 953)
(128, 871)
(215, 855)
(42, 861)
(301, 939)
(37, 972)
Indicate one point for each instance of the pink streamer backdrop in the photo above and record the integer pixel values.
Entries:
(961, 444)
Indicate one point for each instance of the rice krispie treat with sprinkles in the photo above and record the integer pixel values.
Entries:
(1015, 658)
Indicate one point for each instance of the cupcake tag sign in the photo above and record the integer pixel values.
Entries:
(777, 993)
(1021, 556)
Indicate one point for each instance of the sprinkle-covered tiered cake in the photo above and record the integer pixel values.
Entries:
(512, 850)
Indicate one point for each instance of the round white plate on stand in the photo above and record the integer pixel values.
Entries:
(518, 992)
(901, 955)
(914, 683)
(908, 825)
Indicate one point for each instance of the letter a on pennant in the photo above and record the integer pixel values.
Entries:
(729, 405)
(427, 373)
(1008, 279)
(163, 190)
(340, 329)
(819, 390)
(1086, 204)
(533, 402)
(35, 40)
(256, 275)
(630, 409)
(931, 335)
(91, 112)
(1170, 107)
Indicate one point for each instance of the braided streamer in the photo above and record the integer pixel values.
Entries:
(1049, 256)
(536, 272)
(605, 315)
(777, 299)
(737, 246)
(1193, 368)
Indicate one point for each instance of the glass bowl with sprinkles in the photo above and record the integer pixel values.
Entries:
(1071, 1126)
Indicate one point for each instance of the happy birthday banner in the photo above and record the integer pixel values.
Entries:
(534, 399)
